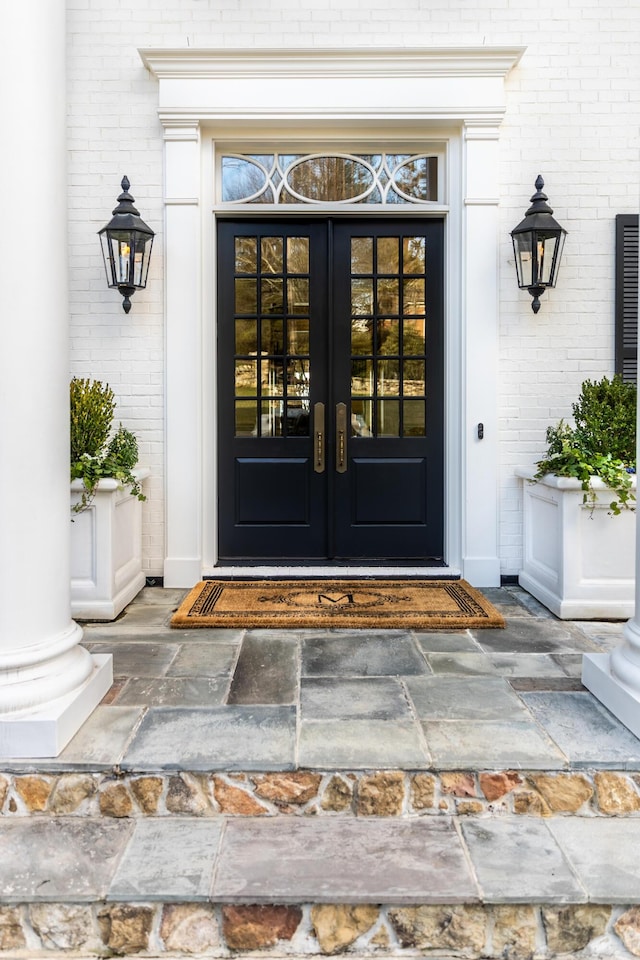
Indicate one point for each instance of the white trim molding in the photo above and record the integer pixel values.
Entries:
(316, 62)
(455, 97)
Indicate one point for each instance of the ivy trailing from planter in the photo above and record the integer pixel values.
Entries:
(601, 444)
(94, 454)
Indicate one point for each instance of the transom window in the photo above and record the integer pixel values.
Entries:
(279, 178)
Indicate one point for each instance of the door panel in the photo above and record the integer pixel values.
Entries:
(330, 380)
(388, 361)
(388, 491)
(271, 321)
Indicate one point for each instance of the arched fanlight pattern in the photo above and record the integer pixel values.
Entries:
(340, 178)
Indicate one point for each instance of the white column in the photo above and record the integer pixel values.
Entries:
(480, 561)
(183, 384)
(48, 683)
(614, 678)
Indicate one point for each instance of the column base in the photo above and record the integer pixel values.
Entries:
(620, 700)
(45, 731)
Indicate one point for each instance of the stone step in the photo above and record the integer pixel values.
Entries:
(404, 794)
(494, 887)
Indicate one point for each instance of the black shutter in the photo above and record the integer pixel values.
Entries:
(627, 295)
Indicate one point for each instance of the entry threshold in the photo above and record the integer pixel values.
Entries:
(333, 572)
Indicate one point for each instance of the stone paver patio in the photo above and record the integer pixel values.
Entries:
(466, 772)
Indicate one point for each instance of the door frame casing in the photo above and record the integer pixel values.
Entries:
(456, 96)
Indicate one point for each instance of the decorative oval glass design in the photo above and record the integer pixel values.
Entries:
(329, 178)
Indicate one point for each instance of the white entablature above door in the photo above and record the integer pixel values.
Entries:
(358, 84)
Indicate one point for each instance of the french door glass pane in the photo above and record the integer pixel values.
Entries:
(388, 295)
(413, 254)
(361, 297)
(246, 254)
(271, 418)
(388, 252)
(361, 418)
(246, 296)
(298, 254)
(388, 380)
(272, 339)
(246, 378)
(271, 378)
(298, 295)
(297, 336)
(413, 294)
(414, 336)
(271, 254)
(362, 255)
(414, 418)
(388, 416)
(246, 418)
(246, 336)
(413, 382)
(361, 337)
(272, 295)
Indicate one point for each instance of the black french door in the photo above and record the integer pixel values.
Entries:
(330, 390)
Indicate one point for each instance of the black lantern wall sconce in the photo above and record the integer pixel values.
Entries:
(126, 247)
(537, 243)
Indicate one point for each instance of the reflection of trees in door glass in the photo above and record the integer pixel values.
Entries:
(246, 337)
(246, 296)
(361, 297)
(362, 255)
(413, 254)
(361, 336)
(298, 254)
(272, 295)
(388, 255)
(246, 254)
(271, 254)
(330, 178)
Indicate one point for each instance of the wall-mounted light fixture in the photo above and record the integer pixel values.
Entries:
(537, 243)
(126, 247)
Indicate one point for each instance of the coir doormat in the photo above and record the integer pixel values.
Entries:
(362, 603)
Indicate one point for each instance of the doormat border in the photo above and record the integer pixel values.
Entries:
(461, 606)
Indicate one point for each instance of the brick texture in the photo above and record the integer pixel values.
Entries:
(573, 114)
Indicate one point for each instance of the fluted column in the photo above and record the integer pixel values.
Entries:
(48, 683)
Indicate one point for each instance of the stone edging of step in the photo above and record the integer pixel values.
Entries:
(185, 929)
(388, 793)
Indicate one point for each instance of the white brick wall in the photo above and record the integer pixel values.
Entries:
(573, 115)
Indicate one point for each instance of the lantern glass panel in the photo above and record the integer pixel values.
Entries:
(523, 249)
(126, 256)
(546, 249)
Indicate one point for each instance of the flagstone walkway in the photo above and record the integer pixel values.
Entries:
(337, 699)
(411, 790)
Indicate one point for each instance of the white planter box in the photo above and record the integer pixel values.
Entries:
(106, 551)
(579, 563)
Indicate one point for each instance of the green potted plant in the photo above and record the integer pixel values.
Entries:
(96, 452)
(578, 559)
(106, 497)
(602, 443)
